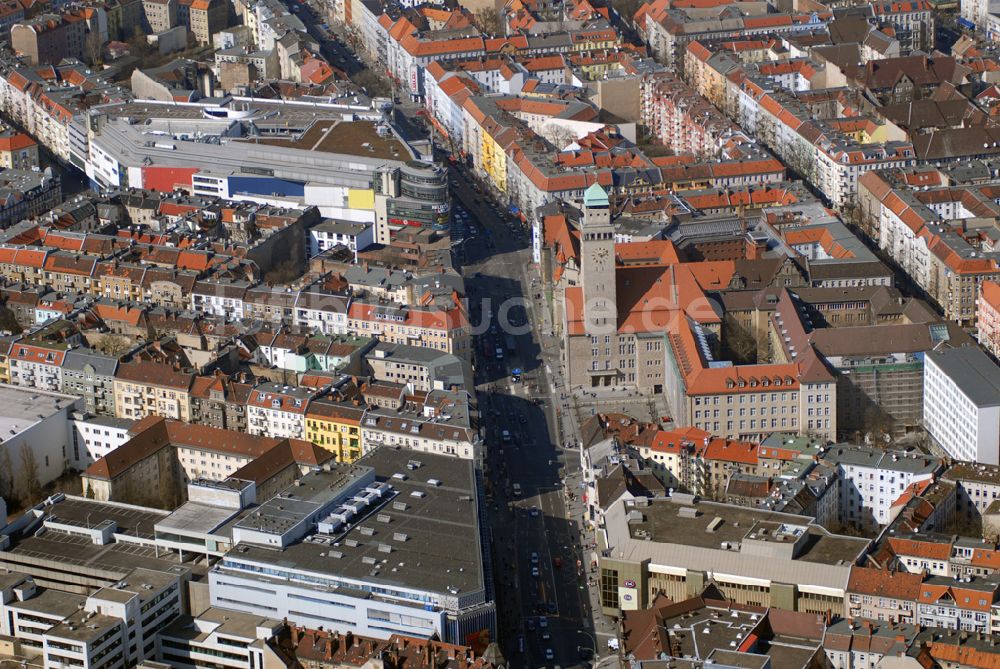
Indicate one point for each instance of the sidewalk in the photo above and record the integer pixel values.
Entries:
(568, 420)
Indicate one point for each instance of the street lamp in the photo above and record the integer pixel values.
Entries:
(598, 664)
(592, 638)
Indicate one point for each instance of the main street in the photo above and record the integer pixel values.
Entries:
(542, 595)
(545, 605)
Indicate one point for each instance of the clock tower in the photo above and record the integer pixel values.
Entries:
(597, 269)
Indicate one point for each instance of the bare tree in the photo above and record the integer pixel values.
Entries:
(28, 486)
(488, 21)
(8, 321)
(740, 344)
(559, 136)
(93, 48)
(626, 9)
(6, 477)
(113, 344)
(373, 84)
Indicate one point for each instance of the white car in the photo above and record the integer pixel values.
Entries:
(549, 655)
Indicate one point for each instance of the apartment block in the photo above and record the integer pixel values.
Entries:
(988, 317)
(159, 15)
(147, 388)
(882, 594)
(17, 151)
(277, 410)
(872, 482)
(49, 38)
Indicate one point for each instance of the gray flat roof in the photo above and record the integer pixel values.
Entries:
(51, 602)
(137, 521)
(973, 471)
(84, 626)
(911, 463)
(196, 518)
(341, 227)
(663, 523)
(442, 547)
(323, 147)
(20, 408)
(31, 553)
(109, 562)
(972, 371)
(279, 514)
(671, 539)
(403, 353)
(218, 621)
(107, 421)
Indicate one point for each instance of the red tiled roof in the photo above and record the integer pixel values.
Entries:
(884, 583)
(930, 550)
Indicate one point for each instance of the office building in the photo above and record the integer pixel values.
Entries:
(962, 403)
(391, 544)
(676, 546)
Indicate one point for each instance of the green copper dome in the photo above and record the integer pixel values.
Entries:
(595, 196)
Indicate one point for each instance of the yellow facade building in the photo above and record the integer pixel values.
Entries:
(336, 427)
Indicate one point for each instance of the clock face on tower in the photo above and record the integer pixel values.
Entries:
(601, 254)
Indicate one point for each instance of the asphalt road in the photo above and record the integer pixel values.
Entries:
(535, 534)
(535, 543)
(314, 14)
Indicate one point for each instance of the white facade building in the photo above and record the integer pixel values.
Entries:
(217, 298)
(93, 437)
(962, 403)
(278, 411)
(328, 234)
(37, 421)
(872, 480)
(113, 628)
(357, 549)
(222, 639)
